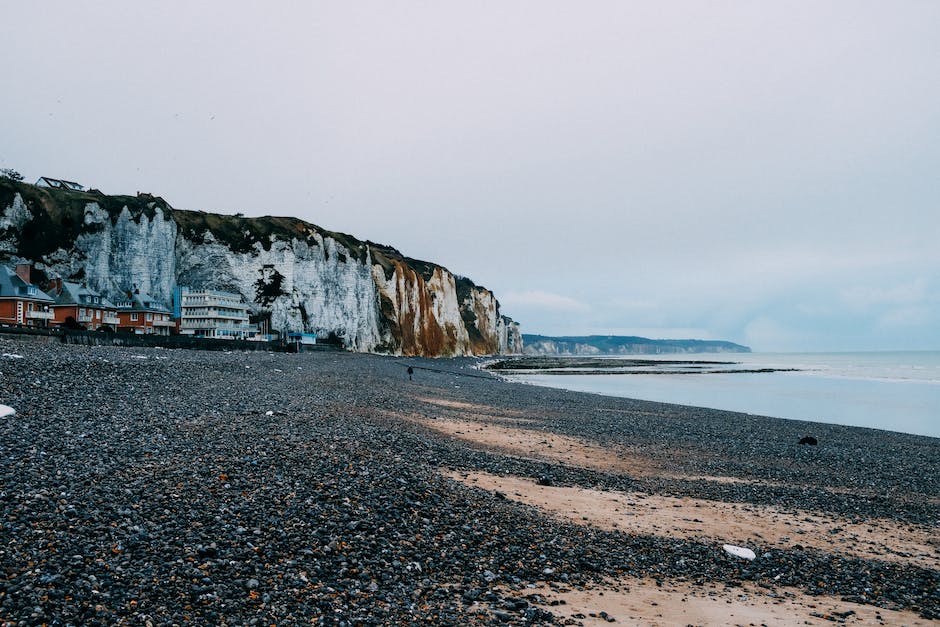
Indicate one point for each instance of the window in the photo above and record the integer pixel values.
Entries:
(149, 317)
(81, 313)
(98, 314)
(133, 317)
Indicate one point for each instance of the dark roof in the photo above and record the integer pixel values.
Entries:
(12, 286)
(75, 294)
(141, 301)
(60, 183)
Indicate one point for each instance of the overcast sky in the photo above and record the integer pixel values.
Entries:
(767, 173)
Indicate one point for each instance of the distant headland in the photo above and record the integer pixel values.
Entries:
(623, 345)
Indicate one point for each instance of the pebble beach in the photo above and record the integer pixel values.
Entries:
(172, 487)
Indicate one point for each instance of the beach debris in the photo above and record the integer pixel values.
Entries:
(269, 413)
(545, 480)
(13, 356)
(808, 439)
(6, 410)
(739, 551)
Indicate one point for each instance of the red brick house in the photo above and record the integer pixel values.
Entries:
(87, 308)
(144, 315)
(21, 302)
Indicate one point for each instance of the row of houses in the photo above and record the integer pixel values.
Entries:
(204, 314)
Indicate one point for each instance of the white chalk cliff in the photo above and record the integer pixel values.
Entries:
(303, 277)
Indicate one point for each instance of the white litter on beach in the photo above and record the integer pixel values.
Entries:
(139, 356)
(269, 413)
(13, 356)
(6, 411)
(739, 551)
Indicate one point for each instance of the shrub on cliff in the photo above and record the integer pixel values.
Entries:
(10, 173)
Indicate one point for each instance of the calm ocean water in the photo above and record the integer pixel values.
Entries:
(897, 391)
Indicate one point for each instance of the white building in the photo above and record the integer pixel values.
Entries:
(72, 186)
(212, 314)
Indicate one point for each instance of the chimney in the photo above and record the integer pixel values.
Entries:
(23, 270)
(55, 285)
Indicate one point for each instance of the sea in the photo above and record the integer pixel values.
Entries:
(894, 391)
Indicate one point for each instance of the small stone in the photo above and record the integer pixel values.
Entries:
(739, 551)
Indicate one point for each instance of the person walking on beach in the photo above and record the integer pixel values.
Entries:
(411, 372)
